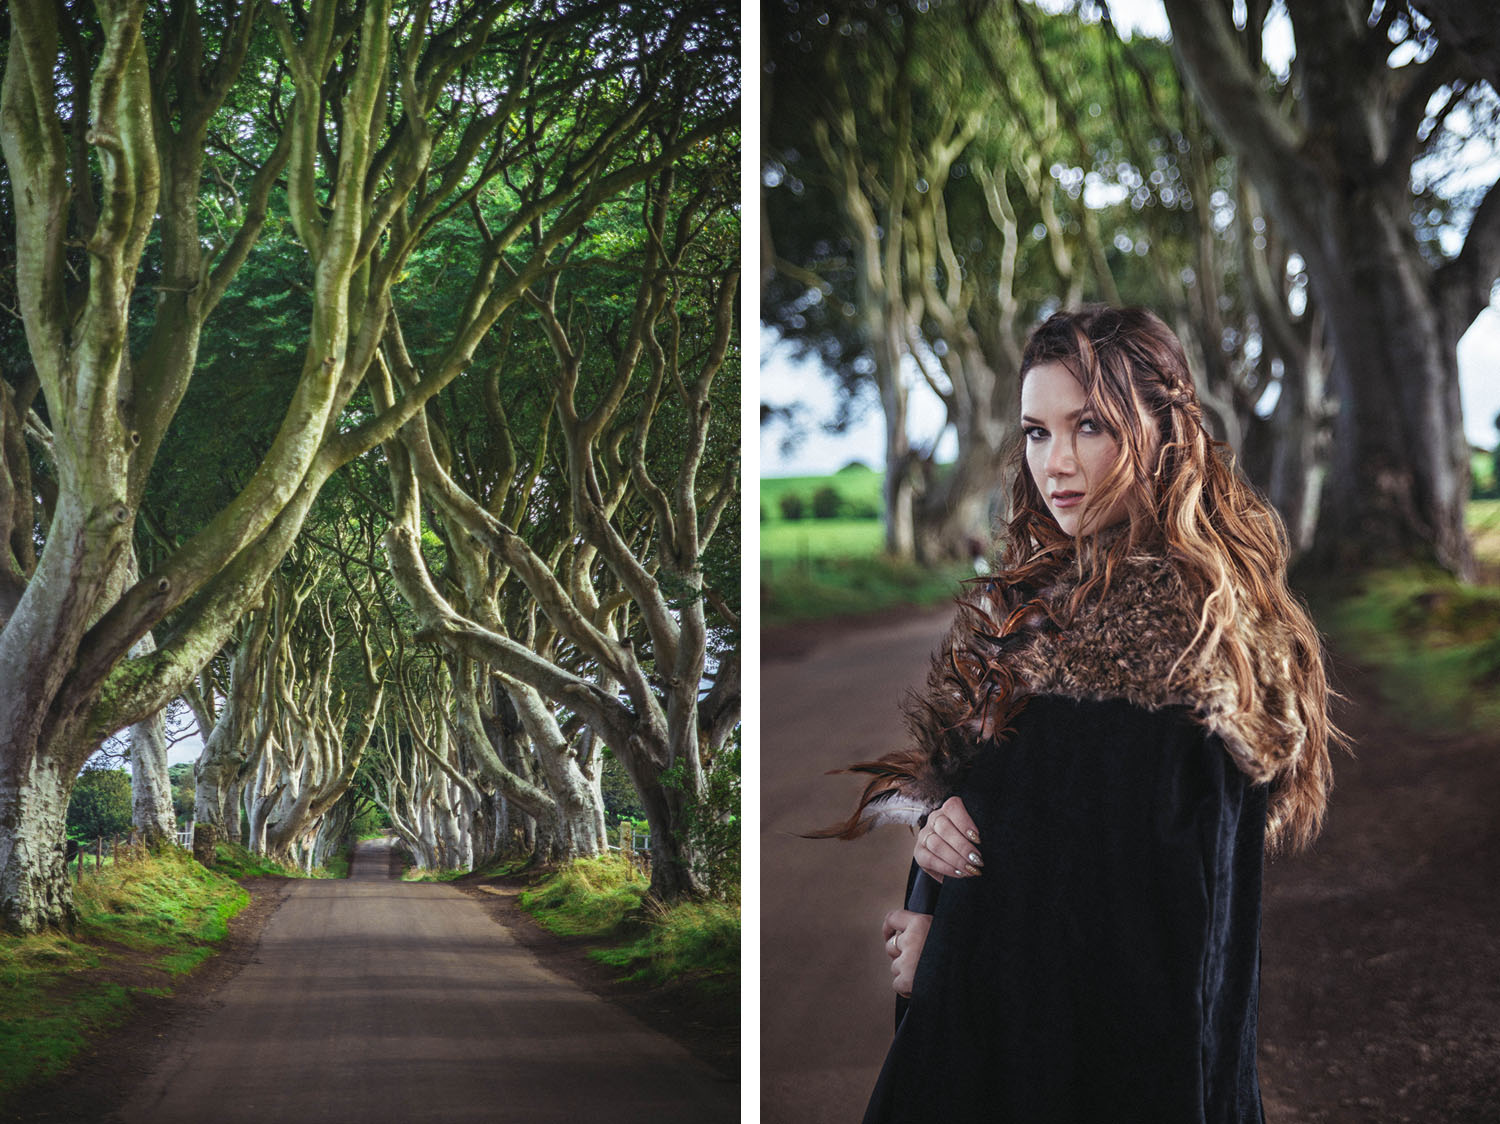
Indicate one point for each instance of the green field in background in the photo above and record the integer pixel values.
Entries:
(786, 542)
(857, 485)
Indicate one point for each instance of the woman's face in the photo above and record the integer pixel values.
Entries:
(1068, 451)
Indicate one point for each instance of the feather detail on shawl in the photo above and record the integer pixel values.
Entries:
(1009, 644)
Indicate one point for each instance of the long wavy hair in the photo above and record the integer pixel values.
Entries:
(1185, 501)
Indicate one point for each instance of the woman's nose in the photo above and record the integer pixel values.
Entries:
(1060, 459)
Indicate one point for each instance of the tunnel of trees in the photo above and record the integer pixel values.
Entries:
(370, 387)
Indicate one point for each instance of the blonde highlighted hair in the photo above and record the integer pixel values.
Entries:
(1186, 500)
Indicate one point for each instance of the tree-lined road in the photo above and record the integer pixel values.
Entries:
(375, 1000)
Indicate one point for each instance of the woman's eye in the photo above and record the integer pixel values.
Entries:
(1089, 425)
(1033, 432)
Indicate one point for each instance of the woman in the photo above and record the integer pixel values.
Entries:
(1122, 718)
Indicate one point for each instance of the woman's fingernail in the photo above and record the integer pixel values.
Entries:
(973, 837)
(974, 870)
(975, 859)
(958, 872)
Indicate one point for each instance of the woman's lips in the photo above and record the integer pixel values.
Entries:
(1066, 499)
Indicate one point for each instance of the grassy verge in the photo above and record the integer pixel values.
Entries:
(848, 586)
(238, 862)
(812, 568)
(1434, 643)
(141, 922)
(494, 869)
(600, 899)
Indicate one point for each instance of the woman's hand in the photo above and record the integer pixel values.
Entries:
(905, 934)
(948, 847)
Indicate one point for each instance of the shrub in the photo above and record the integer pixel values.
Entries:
(712, 825)
(100, 804)
(791, 506)
(827, 503)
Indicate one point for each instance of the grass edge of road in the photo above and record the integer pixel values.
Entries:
(605, 902)
(142, 923)
(1432, 642)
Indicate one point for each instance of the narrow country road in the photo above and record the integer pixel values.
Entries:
(373, 1001)
(1379, 995)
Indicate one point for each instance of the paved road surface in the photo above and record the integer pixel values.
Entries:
(372, 1001)
(826, 1003)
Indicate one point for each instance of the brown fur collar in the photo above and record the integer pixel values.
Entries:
(1124, 645)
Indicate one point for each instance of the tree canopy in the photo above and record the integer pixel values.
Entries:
(258, 248)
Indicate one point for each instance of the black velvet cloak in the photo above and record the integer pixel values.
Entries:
(1105, 966)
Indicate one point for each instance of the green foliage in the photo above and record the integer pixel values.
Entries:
(787, 544)
(816, 588)
(858, 488)
(1483, 521)
(1483, 474)
(100, 804)
(336, 867)
(184, 791)
(237, 862)
(790, 505)
(56, 991)
(827, 503)
(370, 823)
(712, 823)
(620, 797)
(834, 567)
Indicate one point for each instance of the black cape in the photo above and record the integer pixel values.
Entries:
(1105, 966)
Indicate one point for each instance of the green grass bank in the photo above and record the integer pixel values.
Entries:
(1434, 642)
(603, 900)
(142, 922)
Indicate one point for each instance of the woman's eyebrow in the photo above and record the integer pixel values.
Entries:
(1027, 419)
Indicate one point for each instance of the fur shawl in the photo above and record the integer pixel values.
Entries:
(1128, 644)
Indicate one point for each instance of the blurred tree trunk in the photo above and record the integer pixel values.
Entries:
(1337, 173)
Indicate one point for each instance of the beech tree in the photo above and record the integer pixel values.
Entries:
(586, 598)
(1374, 86)
(365, 127)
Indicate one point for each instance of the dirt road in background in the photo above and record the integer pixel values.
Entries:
(376, 1000)
(1380, 997)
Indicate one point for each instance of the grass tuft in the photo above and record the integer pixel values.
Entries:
(587, 898)
(237, 862)
(828, 586)
(697, 941)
